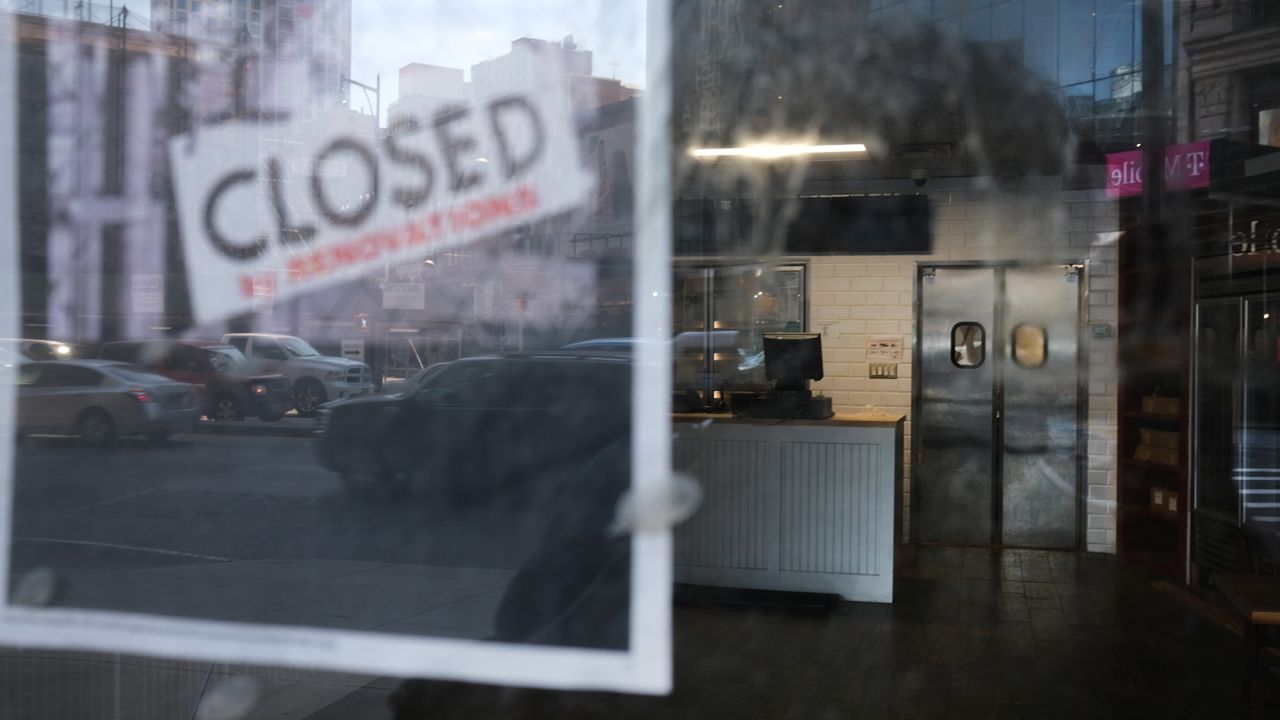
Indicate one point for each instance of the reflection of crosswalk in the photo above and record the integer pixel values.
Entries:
(1257, 476)
(1261, 494)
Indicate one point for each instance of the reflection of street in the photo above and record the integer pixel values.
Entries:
(250, 528)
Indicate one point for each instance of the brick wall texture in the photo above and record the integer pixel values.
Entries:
(853, 297)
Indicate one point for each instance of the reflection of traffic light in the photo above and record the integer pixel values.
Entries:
(362, 322)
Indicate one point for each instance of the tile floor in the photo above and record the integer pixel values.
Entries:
(973, 633)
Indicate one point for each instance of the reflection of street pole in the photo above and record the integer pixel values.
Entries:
(376, 89)
(522, 301)
(376, 106)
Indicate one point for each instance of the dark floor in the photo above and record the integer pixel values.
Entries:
(973, 633)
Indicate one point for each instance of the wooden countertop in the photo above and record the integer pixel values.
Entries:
(858, 419)
(1256, 597)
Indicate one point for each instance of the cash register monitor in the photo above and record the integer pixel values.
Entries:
(792, 359)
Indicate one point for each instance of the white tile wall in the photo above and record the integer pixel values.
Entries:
(852, 297)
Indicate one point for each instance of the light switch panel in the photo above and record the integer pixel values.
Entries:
(884, 371)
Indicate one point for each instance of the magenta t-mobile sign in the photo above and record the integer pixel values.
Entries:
(1186, 167)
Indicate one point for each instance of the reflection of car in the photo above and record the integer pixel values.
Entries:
(100, 400)
(735, 361)
(42, 349)
(477, 425)
(694, 341)
(616, 344)
(10, 357)
(219, 372)
(411, 383)
(314, 379)
(697, 340)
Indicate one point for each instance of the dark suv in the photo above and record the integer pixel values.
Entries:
(227, 390)
(479, 426)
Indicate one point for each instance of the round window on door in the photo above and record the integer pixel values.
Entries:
(968, 345)
(1030, 346)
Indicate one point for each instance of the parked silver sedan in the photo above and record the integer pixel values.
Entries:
(100, 400)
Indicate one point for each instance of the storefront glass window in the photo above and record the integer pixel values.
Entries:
(496, 344)
(309, 307)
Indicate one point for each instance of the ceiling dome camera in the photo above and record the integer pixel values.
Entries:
(920, 177)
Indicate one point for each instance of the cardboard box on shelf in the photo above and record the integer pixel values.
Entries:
(1159, 438)
(1160, 405)
(1158, 455)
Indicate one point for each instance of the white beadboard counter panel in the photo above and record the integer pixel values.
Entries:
(797, 505)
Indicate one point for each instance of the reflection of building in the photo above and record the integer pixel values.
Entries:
(100, 253)
(106, 13)
(1128, 82)
(529, 60)
(523, 66)
(424, 88)
(304, 45)
(1092, 51)
(1231, 83)
(543, 285)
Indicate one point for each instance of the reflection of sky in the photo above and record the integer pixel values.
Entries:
(388, 34)
(1108, 32)
(1065, 41)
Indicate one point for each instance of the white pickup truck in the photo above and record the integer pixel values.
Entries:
(315, 379)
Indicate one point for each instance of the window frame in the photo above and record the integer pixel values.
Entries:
(1044, 344)
(982, 359)
(713, 382)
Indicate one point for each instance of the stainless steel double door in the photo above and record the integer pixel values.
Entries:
(996, 435)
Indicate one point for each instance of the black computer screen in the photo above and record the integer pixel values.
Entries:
(790, 359)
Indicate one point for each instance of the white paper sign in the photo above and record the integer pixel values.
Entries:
(148, 293)
(275, 211)
(271, 211)
(884, 348)
(353, 349)
(404, 296)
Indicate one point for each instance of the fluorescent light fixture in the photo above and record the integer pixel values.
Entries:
(770, 151)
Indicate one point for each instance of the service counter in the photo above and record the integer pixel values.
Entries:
(797, 505)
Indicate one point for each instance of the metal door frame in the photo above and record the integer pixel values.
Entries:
(1240, 399)
(1193, 421)
(1237, 291)
(997, 392)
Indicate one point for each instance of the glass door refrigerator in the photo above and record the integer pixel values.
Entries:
(1236, 419)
